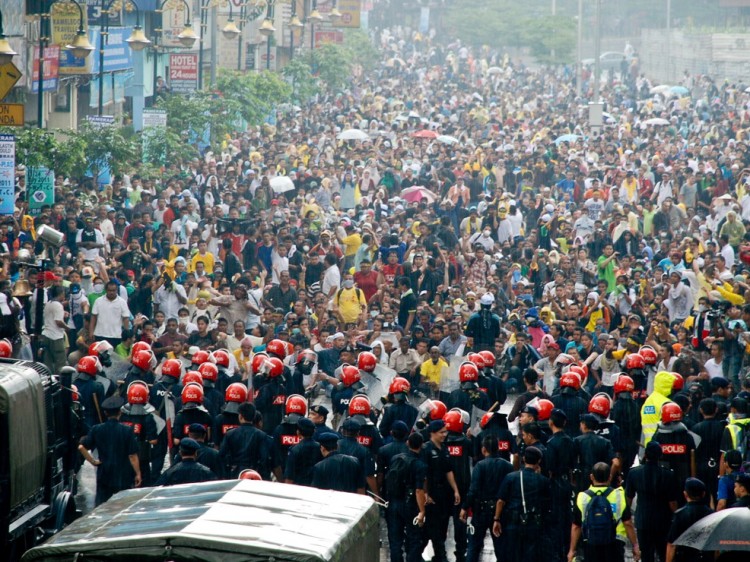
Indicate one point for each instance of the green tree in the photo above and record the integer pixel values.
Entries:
(251, 96)
(334, 64)
(551, 39)
(361, 48)
(106, 146)
(54, 150)
(304, 84)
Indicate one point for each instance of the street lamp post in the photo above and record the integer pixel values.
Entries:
(6, 51)
(314, 17)
(294, 24)
(187, 36)
(204, 26)
(267, 30)
(80, 47)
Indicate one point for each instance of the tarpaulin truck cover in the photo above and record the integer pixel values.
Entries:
(224, 521)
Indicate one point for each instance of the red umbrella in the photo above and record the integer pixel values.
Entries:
(425, 134)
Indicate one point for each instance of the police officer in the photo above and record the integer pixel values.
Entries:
(397, 446)
(495, 425)
(137, 414)
(600, 406)
(271, 399)
(221, 356)
(708, 452)
(677, 444)
(442, 491)
(337, 471)
(490, 383)
(286, 434)
(234, 395)
(482, 496)
(192, 412)
(361, 410)
(694, 510)
(459, 453)
(531, 436)
(102, 350)
(468, 394)
(650, 411)
(560, 460)
(625, 413)
(570, 401)
(188, 470)
(613, 551)
(522, 510)
(143, 362)
(589, 449)
(398, 407)
(117, 466)
(319, 414)
(405, 514)
(90, 391)
(303, 456)
(207, 456)
(736, 434)
(658, 491)
(303, 367)
(246, 446)
(213, 399)
(347, 386)
(162, 397)
(350, 445)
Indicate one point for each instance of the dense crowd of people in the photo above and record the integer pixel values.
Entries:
(347, 299)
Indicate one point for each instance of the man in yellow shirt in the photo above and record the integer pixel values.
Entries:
(204, 256)
(349, 302)
(432, 369)
(351, 240)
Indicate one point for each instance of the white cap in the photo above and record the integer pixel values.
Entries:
(488, 299)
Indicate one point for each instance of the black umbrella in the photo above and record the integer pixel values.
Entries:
(728, 529)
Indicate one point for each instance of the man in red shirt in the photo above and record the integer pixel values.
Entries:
(368, 280)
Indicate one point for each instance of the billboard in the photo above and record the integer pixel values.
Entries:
(65, 22)
(183, 72)
(51, 69)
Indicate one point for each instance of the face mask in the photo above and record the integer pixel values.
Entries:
(701, 308)
(349, 283)
(486, 233)
(374, 313)
(305, 249)
(243, 209)
(98, 287)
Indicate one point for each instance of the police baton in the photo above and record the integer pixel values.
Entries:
(96, 406)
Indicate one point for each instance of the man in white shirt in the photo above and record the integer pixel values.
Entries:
(169, 296)
(713, 366)
(53, 330)
(109, 315)
(331, 276)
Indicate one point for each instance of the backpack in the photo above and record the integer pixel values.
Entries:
(338, 295)
(398, 479)
(599, 524)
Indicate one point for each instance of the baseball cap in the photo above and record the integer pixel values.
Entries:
(189, 445)
(320, 410)
(436, 425)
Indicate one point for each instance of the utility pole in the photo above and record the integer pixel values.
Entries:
(579, 51)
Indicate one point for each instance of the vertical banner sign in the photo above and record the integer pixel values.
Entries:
(183, 73)
(154, 125)
(350, 13)
(51, 64)
(40, 185)
(7, 174)
(65, 22)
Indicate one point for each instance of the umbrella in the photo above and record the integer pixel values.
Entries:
(662, 89)
(447, 139)
(494, 70)
(282, 184)
(679, 90)
(417, 193)
(566, 138)
(728, 529)
(425, 134)
(608, 118)
(352, 134)
(390, 63)
(655, 121)
(413, 115)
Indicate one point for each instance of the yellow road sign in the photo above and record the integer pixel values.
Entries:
(9, 75)
(11, 114)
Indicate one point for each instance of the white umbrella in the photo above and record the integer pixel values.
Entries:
(661, 89)
(494, 70)
(282, 184)
(609, 118)
(655, 121)
(352, 134)
(447, 139)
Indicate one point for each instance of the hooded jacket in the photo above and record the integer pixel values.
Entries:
(651, 409)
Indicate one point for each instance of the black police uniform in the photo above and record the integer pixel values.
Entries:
(225, 379)
(294, 382)
(114, 442)
(574, 407)
(320, 429)
(627, 415)
(213, 400)
(708, 452)
(523, 529)
(402, 510)
(481, 498)
(246, 447)
(340, 398)
(655, 487)
(590, 449)
(186, 471)
(88, 388)
(493, 387)
(284, 438)
(683, 519)
(383, 459)
(144, 427)
(677, 446)
(209, 457)
(165, 389)
(560, 460)
(351, 446)
(398, 411)
(301, 460)
(467, 396)
(506, 443)
(438, 514)
(609, 430)
(191, 414)
(271, 403)
(459, 449)
(224, 423)
(136, 374)
(368, 435)
(339, 472)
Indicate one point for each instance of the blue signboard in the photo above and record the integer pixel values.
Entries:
(7, 174)
(117, 54)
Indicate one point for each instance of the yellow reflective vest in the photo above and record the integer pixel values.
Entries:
(651, 409)
(616, 499)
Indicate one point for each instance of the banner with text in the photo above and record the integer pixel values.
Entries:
(51, 69)
(183, 73)
(65, 22)
(40, 185)
(7, 174)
